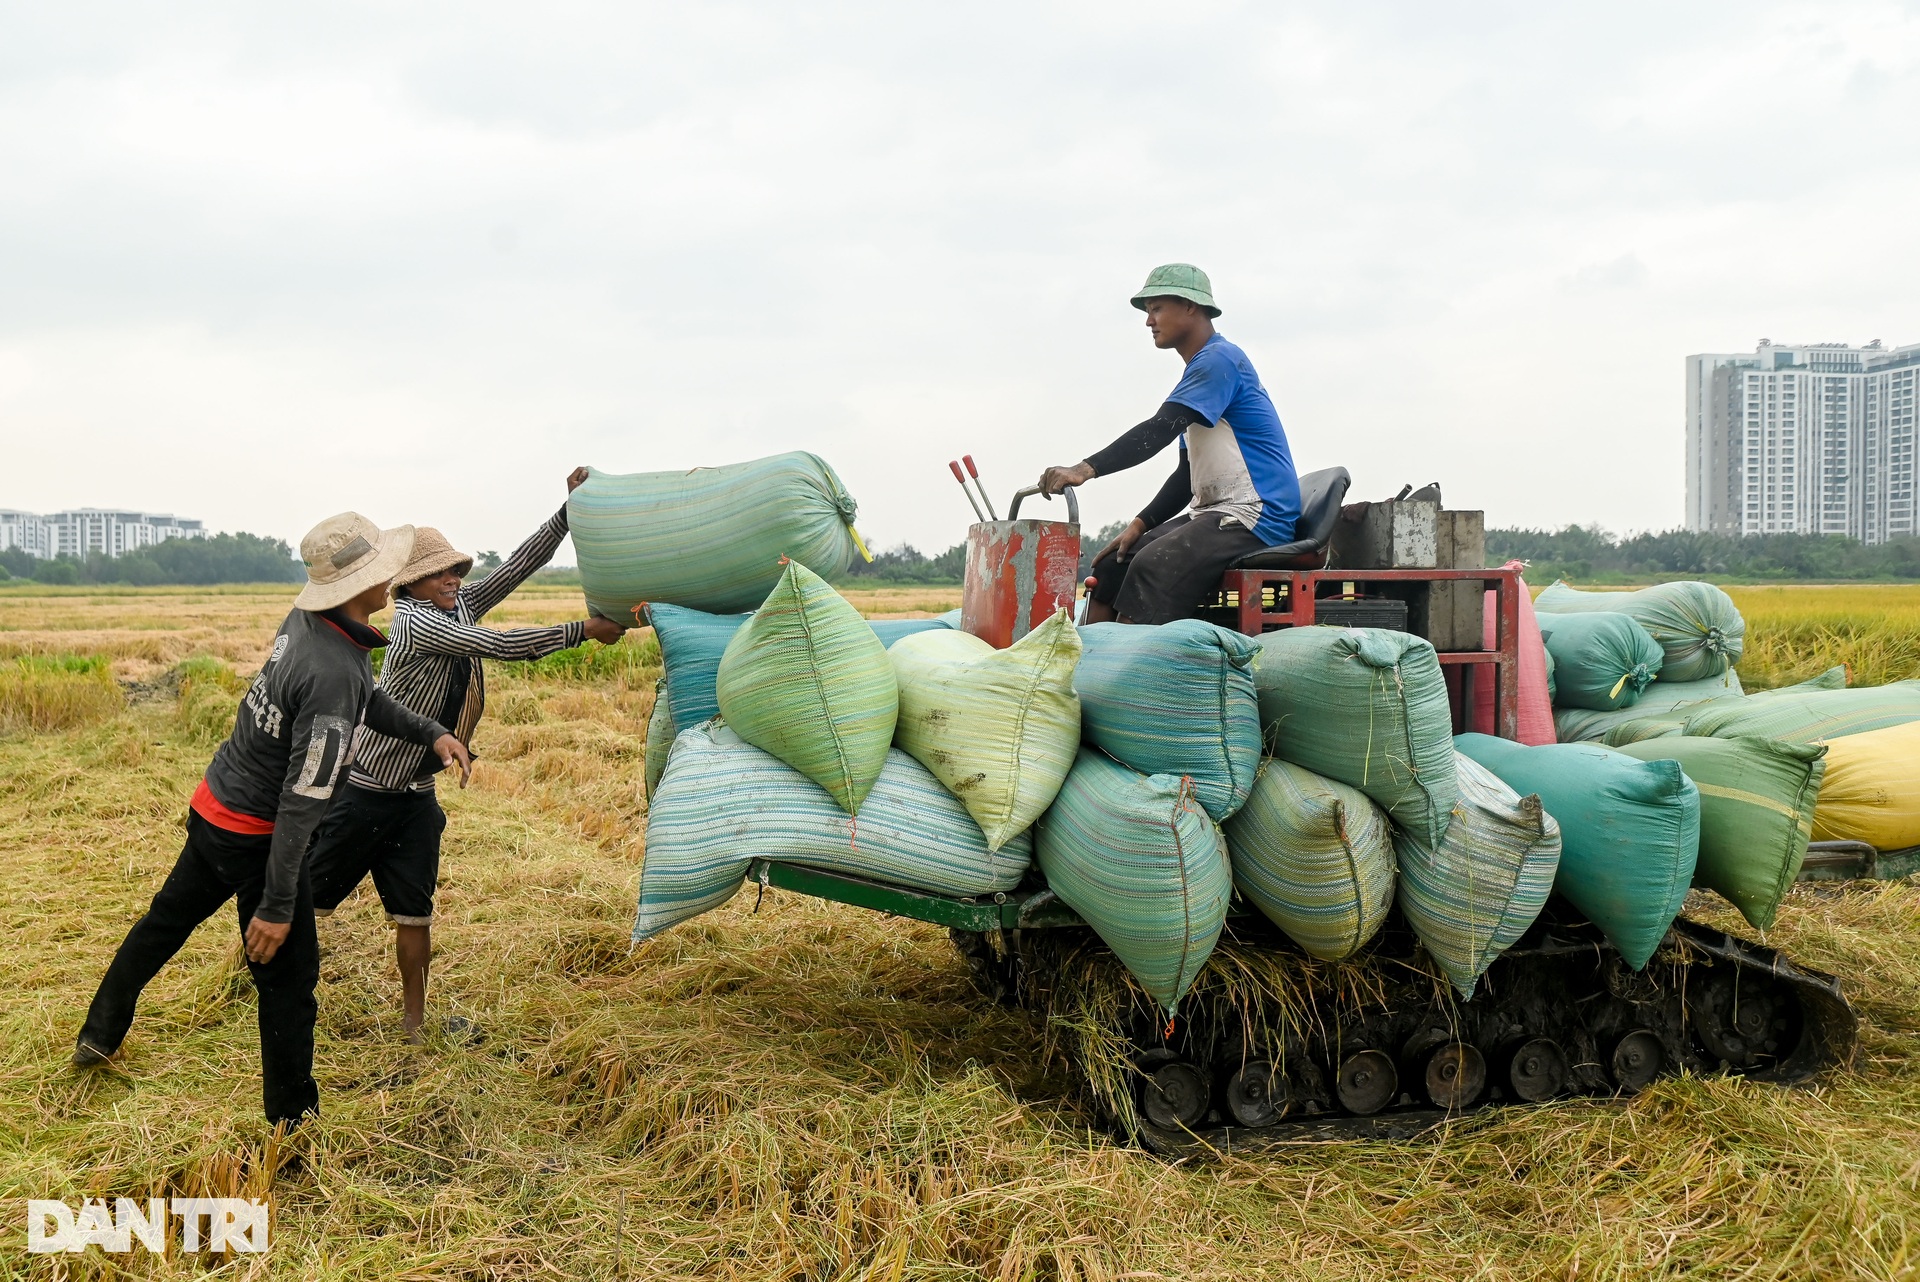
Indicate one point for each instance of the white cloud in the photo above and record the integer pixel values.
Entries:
(420, 260)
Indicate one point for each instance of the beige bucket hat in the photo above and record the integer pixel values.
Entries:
(346, 555)
(431, 554)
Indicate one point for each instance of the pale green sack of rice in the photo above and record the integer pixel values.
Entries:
(709, 538)
(1472, 895)
(1137, 857)
(807, 680)
(1583, 725)
(1696, 624)
(1367, 707)
(1315, 856)
(660, 732)
(723, 803)
(998, 727)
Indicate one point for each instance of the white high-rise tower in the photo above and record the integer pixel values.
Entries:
(1815, 439)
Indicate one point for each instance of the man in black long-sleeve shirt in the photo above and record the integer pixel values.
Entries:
(1236, 468)
(265, 791)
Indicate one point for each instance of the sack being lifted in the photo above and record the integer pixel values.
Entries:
(1696, 624)
(710, 537)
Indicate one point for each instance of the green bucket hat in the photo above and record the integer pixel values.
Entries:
(1177, 280)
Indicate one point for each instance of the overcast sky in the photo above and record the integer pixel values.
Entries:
(260, 263)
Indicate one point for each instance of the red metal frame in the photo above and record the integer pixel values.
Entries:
(1295, 592)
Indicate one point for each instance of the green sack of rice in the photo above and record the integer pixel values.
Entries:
(1174, 699)
(1600, 661)
(693, 641)
(1810, 716)
(1640, 725)
(1757, 799)
(1315, 856)
(1629, 832)
(1582, 725)
(709, 537)
(807, 680)
(660, 732)
(723, 803)
(1137, 857)
(1473, 894)
(998, 727)
(1367, 707)
(1696, 624)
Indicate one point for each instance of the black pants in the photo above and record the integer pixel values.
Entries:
(393, 835)
(215, 866)
(1173, 568)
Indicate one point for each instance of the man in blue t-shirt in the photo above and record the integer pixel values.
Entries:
(1235, 467)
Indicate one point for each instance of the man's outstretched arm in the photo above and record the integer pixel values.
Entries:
(1138, 444)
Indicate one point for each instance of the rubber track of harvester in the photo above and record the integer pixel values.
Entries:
(1559, 1015)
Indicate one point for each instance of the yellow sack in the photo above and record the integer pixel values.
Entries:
(1871, 792)
(999, 728)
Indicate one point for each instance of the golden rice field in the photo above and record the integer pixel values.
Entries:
(791, 1089)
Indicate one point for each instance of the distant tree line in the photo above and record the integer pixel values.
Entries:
(1585, 553)
(1581, 553)
(908, 564)
(224, 558)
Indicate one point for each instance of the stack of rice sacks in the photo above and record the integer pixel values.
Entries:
(1775, 769)
(783, 748)
(1365, 796)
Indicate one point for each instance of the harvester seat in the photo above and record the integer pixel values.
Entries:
(1321, 494)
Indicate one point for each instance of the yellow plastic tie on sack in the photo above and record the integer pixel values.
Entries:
(860, 543)
(1618, 686)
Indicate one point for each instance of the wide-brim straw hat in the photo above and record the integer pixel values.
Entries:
(346, 555)
(431, 554)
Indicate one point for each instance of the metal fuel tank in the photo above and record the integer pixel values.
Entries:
(1019, 572)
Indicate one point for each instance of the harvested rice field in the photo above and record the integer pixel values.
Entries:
(787, 1089)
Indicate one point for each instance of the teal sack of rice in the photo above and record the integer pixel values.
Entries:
(807, 680)
(1315, 857)
(1600, 661)
(660, 732)
(709, 538)
(1695, 624)
(1174, 699)
(723, 802)
(1471, 896)
(1367, 707)
(1137, 857)
(1629, 832)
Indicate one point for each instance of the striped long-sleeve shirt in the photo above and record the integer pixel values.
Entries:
(433, 663)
